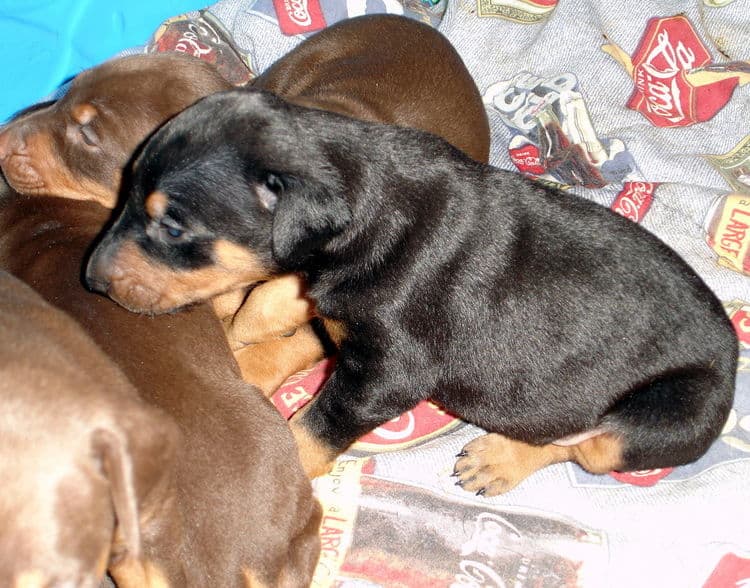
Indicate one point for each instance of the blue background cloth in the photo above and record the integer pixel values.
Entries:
(45, 42)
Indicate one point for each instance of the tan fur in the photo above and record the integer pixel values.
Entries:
(272, 309)
(266, 364)
(156, 204)
(142, 285)
(316, 457)
(494, 464)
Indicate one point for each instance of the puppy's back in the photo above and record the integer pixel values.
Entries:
(390, 69)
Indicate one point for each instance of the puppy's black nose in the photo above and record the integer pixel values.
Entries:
(95, 276)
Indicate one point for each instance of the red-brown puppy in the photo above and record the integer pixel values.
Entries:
(77, 147)
(83, 460)
(248, 514)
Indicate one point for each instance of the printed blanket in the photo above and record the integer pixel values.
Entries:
(643, 107)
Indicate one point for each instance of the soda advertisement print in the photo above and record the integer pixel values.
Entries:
(204, 37)
(676, 83)
(409, 536)
(522, 11)
(554, 136)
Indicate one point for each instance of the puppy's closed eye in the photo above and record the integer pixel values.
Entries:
(83, 116)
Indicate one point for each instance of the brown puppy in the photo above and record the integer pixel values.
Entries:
(77, 147)
(380, 68)
(249, 517)
(82, 458)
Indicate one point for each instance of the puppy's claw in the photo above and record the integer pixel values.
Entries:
(460, 483)
(481, 491)
(462, 453)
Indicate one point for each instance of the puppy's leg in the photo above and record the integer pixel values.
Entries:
(670, 421)
(272, 309)
(348, 406)
(493, 464)
(268, 364)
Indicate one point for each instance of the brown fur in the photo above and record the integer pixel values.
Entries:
(244, 500)
(120, 103)
(82, 458)
(77, 146)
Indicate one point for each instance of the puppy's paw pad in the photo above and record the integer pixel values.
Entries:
(489, 466)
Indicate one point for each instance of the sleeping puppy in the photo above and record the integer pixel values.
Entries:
(239, 525)
(499, 298)
(77, 146)
(87, 467)
(417, 79)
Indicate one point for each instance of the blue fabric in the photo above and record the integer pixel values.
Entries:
(45, 42)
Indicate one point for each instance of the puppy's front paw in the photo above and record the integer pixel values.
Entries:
(316, 457)
(493, 464)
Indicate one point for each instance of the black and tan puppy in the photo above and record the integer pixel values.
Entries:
(380, 68)
(83, 460)
(77, 146)
(248, 517)
(499, 298)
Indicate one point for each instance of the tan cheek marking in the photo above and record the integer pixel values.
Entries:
(57, 178)
(156, 204)
(240, 261)
(167, 289)
(336, 330)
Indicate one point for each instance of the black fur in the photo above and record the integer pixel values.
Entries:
(525, 310)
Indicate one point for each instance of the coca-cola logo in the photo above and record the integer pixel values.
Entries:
(634, 200)
(299, 16)
(667, 55)
(525, 156)
(656, 77)
(298, 12)
(190, 41)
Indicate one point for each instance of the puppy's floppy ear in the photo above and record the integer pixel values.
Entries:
(305, 216)
(135, 457)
